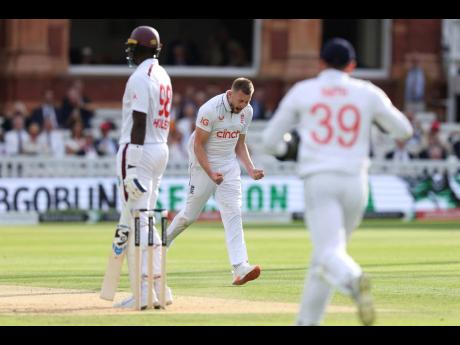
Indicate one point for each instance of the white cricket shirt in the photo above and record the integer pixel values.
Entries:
(149, 91)
(225, 127)
(333, 114)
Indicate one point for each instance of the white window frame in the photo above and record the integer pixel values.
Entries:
(181, 71)
(384, 71)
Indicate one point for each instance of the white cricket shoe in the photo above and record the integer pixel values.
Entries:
(168, 292)
(244, 273)
(129, 302)
(363, 298)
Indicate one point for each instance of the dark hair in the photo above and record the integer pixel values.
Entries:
(244, 85)
(338, 53)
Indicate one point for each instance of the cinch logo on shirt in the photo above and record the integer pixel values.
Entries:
(225, 134)
(221, 117)
(204, 121)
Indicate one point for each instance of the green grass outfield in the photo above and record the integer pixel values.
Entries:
(415, 269)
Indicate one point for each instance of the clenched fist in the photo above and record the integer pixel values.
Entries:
(217, 177)
(256, 174)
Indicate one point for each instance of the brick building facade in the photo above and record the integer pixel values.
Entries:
(34, 56)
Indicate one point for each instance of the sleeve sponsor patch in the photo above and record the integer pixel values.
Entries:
(204, 121)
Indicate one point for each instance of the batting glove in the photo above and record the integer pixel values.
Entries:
(132, 184)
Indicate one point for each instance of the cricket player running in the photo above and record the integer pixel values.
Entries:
(333, 114)
(143, 153)
(219, 138)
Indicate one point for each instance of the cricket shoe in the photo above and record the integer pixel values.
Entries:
(168, 292)
(363, 298)
(245, 273)
(130, 302)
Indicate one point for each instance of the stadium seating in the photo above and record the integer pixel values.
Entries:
(71, 166)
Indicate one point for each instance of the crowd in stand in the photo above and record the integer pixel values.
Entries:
(66, 129)
(43, 130)
(425, 144)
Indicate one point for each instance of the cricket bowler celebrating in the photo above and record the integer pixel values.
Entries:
(219, 138)
(143, 152)
(333, 114)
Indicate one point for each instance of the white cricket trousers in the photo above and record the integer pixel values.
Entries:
(228, 198)
(149, 171)
(334, 207)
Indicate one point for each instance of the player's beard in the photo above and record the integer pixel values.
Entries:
(234, 109)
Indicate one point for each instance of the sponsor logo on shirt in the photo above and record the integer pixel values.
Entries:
(204, 122)
(226, 134)
(221, 117)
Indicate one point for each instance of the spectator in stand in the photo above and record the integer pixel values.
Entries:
(46, 110)
(200, 98)
(15, 139)
(51, 139)
(454, 140)
(415, 87)
(212, 90)
(176, 107)
(17, 108)
(433, 151)
(269, 109)
(415, 143)
(400, 153)
(7, 120)
(77, 142)
(177, 152)
(76, 100)
(2, 143)
(32, 145)
(257, 104)
(90, 147)
(188, 98)
(189, 94)
(434, 148)
(106, 146)
(186, 125)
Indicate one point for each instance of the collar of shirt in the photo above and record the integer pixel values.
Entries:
(146, 63)
(225, 100)
(332, 73)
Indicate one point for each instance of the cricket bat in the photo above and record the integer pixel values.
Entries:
(115, 262)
